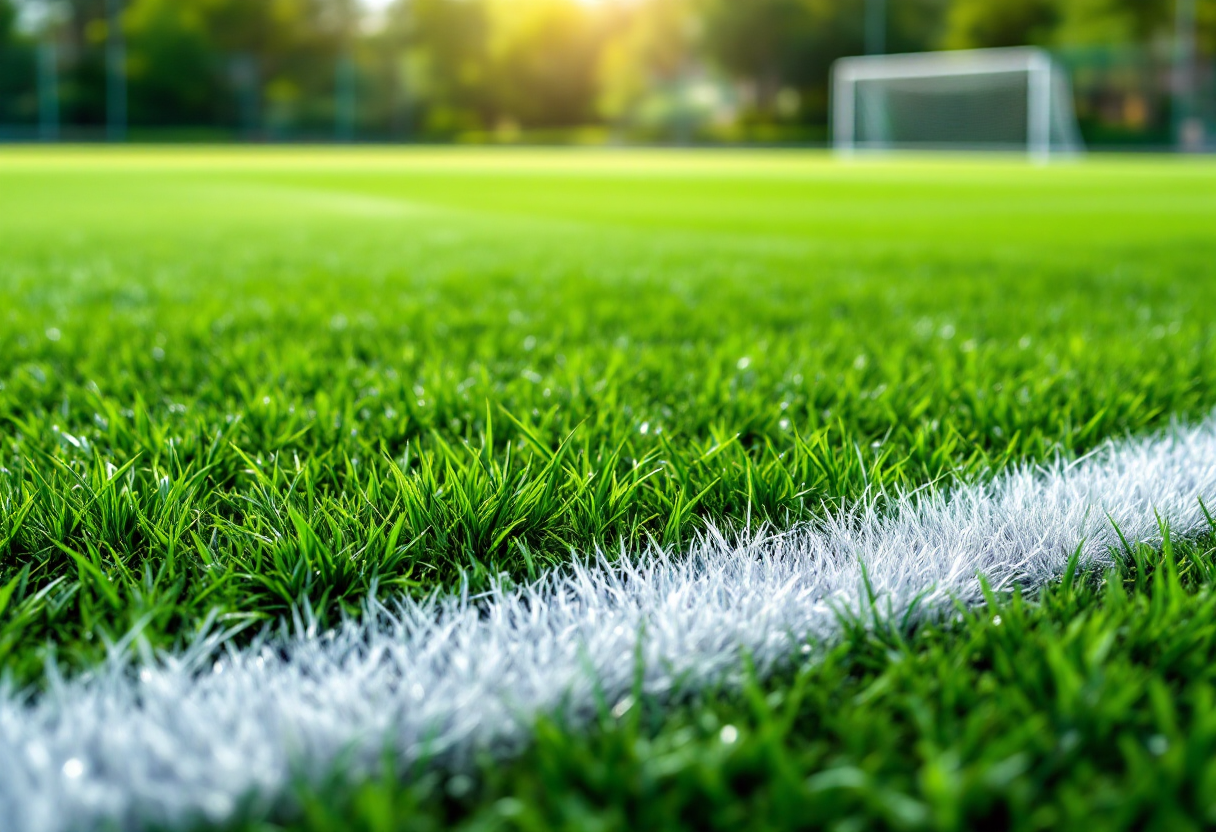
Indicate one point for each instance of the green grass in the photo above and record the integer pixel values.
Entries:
(235, 382)
(1091, 705)
(232, 381)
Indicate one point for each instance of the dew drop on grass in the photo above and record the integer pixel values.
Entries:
(509, 807)
(621, 708)
(73, 768)
(460, 785)
(729, 734)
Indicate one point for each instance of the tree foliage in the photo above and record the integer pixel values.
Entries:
(977, 23)
(8, 20)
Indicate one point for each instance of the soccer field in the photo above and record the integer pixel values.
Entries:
(243, 392)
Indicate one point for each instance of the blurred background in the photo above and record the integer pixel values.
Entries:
(561, 71)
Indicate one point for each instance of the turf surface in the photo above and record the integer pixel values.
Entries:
(243, 382)
(1092, 705)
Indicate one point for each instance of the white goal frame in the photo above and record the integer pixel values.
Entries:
(1049, 95)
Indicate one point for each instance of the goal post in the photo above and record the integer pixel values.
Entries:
(1014, 99)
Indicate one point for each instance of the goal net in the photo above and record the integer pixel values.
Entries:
(1016, 99)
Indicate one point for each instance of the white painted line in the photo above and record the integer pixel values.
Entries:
(194, 736)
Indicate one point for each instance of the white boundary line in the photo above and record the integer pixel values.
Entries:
(192, 736)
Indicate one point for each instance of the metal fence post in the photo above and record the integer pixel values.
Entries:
(344, 99)
(48, 92)
(116, 74)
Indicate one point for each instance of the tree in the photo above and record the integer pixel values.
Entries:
(182, 55)
(172, 63)
(446, 61)
(980, 23)
(771, 44)
(916, 25)
(18, 79)
(545, 56)
(1205, 26)
(653, 47)
(8, 21)
(1113, 22)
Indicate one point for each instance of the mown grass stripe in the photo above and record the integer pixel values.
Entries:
(195, 734)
